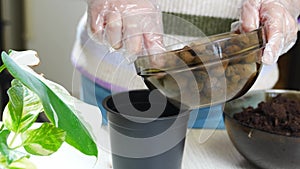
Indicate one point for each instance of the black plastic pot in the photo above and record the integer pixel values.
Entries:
(146, 131)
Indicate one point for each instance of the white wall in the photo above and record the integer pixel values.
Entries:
(50, 30)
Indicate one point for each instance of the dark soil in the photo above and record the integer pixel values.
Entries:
(280, 115)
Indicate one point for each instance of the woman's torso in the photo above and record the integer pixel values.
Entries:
(189, 18)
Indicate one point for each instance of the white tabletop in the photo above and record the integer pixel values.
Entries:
(204, 148)
(215, 153)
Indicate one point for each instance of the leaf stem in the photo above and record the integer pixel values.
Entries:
(13, 140)
(2, 68)
(2, 127)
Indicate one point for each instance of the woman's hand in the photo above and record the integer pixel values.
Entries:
(280, 20)
(135, 25)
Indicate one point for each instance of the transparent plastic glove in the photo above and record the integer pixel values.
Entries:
(132, 25)
(280, 20)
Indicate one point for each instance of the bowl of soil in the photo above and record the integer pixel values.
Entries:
(207, 71)
(264, 126)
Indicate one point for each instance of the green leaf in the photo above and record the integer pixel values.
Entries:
(23, 163)
(2, 67)
(13, 111)
(9, 155)
(32, 107)
(3, 164)
(3, 139)
(23, 108)
(57, 111)
(43, 141)
(9, 117)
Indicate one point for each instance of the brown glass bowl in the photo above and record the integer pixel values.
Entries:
(262, 148)
(207, 71)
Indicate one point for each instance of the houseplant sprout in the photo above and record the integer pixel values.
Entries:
(29, 95)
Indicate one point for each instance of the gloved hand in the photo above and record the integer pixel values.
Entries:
(280, 20)
(133, 25)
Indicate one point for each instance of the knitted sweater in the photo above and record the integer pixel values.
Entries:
(204, 17)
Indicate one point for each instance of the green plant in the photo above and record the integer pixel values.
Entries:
(29, 95)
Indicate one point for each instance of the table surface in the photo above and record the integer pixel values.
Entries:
(216, 152)
(204, 148)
